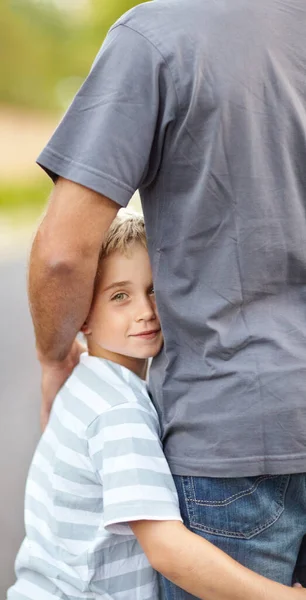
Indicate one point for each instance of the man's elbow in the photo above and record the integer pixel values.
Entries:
(58, 257)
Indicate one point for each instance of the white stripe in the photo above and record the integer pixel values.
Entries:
(128, 430)
(23, 557)
(39, 494)
(39, 524)
(148, 409)
(43, 528)
(66, 418)
(78, 489)
(126, 391)
(87, 395)
(28, 589)
(135, 461)
(103, 543)
(64, 515)
(107, 375)
(114, 526)
(37, 551)
(42, 464)
(103, 371)
(50, 438)
(76, 547)
(77, 516)
(141, 592)
(70, 591)
(74, 459)
(96, 443)
(137, 493)
(68, 515)
(122, 566)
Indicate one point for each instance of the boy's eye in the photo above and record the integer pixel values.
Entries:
(151, 291)
(120, 296)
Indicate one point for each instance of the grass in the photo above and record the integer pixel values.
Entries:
(21, 198)
(21, 203)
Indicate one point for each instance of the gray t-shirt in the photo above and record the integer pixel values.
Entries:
(202, 105)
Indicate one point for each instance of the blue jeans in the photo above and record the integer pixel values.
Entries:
(259, 521)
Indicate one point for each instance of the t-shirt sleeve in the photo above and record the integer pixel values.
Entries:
(137, 484)
(111, 138)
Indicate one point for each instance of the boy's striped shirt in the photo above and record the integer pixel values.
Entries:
(98, 465)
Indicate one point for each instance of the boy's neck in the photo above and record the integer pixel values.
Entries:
(136, 365)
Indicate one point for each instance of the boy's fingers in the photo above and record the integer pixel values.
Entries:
(297, 585)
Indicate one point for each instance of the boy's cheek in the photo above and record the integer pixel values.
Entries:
(160, 345)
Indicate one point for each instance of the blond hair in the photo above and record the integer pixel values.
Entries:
(127, 229)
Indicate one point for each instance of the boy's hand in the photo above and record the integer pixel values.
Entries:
(300, 594)
(54, 375)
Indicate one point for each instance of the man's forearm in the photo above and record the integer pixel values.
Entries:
(63, 265)
(60, 296)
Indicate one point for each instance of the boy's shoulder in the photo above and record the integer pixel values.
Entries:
(97, 385)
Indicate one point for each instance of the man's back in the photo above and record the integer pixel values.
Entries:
(209, 107)
(229, 207)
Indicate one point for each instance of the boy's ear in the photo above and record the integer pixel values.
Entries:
(86, 329)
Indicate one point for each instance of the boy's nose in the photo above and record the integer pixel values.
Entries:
(146, 311)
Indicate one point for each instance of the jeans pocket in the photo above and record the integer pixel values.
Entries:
(233, 507)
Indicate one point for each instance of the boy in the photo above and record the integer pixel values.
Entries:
(99, 480)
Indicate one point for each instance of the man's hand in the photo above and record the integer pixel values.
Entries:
(54, 375)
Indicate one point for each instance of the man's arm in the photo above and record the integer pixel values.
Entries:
(63, 265)
(200, 568)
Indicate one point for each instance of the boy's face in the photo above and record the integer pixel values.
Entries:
(123, 319)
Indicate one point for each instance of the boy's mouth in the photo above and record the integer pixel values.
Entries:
(147, 335)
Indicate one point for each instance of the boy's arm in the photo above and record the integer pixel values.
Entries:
(200, 568)
(137, 485)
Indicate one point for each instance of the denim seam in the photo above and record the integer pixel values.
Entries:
(235, 534)
(281, 490)
(186, 484)
(237, 496)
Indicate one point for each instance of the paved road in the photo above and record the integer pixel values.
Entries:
(19, 408)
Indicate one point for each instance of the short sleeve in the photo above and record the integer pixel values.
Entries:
(126, 452)
(111, 138)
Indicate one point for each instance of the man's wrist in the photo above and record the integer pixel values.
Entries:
(67, 360)
(52, 363)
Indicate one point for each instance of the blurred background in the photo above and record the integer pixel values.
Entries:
(46, 49)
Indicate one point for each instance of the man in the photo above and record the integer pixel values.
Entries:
(201, 105)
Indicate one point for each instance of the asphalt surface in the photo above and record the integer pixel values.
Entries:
(19, 408)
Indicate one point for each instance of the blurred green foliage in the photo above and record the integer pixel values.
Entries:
(17, 196)
(46, 49)
(43, 45)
